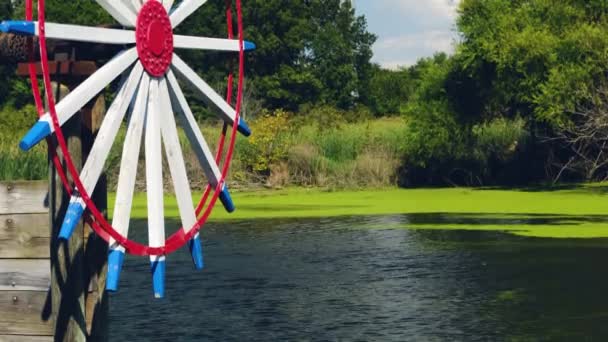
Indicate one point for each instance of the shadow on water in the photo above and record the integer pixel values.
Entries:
(351, 279)
(473, 219)
(577, 187)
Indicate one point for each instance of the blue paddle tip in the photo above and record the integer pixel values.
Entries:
(115, 260)
(243, 128)
(158, 278)
(71, 219)
(196, 249)
(39, 131)
(249, 46)
(226, 200)
(23, 28)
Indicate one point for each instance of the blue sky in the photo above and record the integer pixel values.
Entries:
(409, 29)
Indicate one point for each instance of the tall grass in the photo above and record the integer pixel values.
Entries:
(280, 153)
(14, 163)
(18, 165)
(351, 155)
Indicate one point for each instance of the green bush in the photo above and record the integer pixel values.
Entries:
(269, 144)
(499, 138)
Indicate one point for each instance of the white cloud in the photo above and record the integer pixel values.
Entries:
(397, 64)
(428, 40)
(431, 9)
(410, 29)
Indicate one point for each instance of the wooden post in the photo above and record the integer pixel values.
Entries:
(67, 259)
(78, 268)
(96, 249)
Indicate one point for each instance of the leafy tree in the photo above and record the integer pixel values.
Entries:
(340, 52)
(389, 90)
(541, 58)
(308, 52)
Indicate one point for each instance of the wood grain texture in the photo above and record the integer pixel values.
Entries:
(25, 275)
(25, 338)
(22, 313)
(24, 236)
(67, 266)
(96, 249)
(23, 197)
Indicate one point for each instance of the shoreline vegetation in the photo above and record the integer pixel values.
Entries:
(284, 151)
(568, 211)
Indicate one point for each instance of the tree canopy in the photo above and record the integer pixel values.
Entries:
(538, 57)
(314, 52)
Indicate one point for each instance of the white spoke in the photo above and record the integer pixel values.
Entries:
(202, 43)
(177, 167)
(119, 11)
(184, 10)
(193, 132)
(133, 5)
(168, 4)
(129, 162)
(87, 34)
(126, 182)
(210, 96)
(154, 183)
(175, 159)
(198, 143)
(80, 97)
(108, 130)
(101, 148)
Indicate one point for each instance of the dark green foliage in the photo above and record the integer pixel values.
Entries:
(521, 74)
(540, 58)
(308, 52)
(389, 91)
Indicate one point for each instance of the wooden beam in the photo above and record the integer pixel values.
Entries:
(21, 313)
(13, 49)
(25, 275)
(24, 236)
(25, 338)
(71, 68)
(23, 197)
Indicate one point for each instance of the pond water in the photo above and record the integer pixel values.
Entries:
(351, 279)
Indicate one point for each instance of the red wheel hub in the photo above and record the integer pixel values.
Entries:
(154, 38)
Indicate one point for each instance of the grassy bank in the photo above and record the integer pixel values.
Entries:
(283, 151)
(579, 211)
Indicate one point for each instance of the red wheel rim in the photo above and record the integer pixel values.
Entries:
(94, 217)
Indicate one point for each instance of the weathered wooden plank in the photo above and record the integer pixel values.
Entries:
(24, 236)
(25, 275)
(23, 197)
(25, 338)
(22, 313)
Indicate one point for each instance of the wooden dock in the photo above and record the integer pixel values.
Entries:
(25, 271)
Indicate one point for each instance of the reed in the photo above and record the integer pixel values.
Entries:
(18, 165)
(363, 154)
